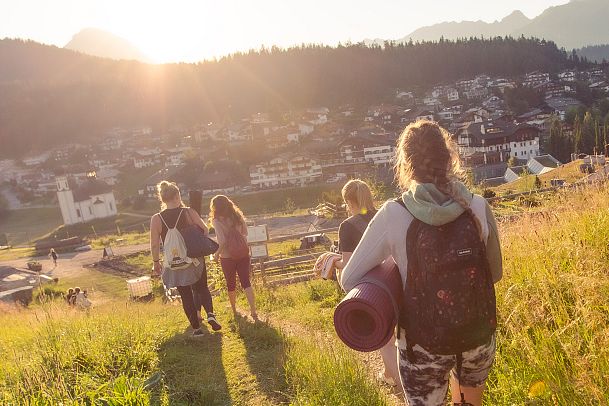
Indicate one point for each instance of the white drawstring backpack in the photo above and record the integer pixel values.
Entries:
(174, 248)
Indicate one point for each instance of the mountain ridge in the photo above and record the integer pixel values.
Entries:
(576, 24)
(97, 42)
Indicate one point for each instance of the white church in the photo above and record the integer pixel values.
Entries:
(89, 200)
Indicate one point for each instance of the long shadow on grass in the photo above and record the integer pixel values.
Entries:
(265, 352)
(193, 370)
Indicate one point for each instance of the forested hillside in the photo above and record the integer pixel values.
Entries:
(50, 95)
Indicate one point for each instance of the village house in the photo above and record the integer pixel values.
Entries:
(143, 160)
(486, 146)
(286, 170)
(535, 78)
(567, 76)
(561, 105)
(464, 85)
(535, 166)
(412, 115)
(239, 132)
(476, 93)
(501, 84)
(376, 150)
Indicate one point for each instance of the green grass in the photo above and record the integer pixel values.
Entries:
(569, 172)
(111, 226)
(57, 354)
(553, 337)
(554, 318)
(27, 225)
(16, 253)
(122, 239)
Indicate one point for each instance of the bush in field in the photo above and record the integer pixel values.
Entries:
(488, 193)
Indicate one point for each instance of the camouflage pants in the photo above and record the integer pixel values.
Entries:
(425, 376)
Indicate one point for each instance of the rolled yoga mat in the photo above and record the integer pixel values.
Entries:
(365, 319)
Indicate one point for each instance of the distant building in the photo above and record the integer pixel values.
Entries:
(90, 200)
(535, 79)
(286, 170)
(561, 105)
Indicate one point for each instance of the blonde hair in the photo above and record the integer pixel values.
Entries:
(426, 153)
(167, 191)
(222, 206)
(358, 192)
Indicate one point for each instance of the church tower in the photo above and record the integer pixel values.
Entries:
(66, 201)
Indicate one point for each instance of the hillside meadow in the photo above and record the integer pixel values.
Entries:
(553, 337)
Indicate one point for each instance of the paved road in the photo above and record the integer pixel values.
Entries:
(72, 263)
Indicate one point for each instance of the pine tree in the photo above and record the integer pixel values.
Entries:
(588, 137)
(597, 139)
(577, 135)
(554, 144)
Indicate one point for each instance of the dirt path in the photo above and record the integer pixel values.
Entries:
(72, 264)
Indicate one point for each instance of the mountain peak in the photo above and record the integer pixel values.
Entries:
(97, 42)
(516, 14)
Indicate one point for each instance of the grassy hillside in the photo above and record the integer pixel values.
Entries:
(27, 225)
(569, 172)
(553, 337)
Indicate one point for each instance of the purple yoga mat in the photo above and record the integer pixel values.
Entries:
(365, 319)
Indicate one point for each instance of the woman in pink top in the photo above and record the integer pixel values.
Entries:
(231, 231)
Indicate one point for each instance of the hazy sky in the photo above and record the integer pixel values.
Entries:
(187, 30)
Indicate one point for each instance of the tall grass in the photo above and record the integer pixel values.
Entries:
(554, 317)
(553, 337)
(323, 374)
(59, 354)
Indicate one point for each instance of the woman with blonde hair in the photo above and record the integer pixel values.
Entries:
(360, 204)
(233, 253)
(444, 240)
(190, 279)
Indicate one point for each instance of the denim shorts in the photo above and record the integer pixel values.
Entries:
(425, 375)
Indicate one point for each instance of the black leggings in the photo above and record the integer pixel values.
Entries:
(194, 296)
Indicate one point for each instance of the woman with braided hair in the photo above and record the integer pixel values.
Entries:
(427, 169)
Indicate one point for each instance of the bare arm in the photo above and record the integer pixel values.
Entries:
(342, 262)
(372, 250)
(220, 237)
(155, 242)
(197, 220)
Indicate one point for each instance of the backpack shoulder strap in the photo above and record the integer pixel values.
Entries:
(163, 220)
(178, 220)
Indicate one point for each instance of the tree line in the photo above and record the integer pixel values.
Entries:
(587, 132)
(50, 95)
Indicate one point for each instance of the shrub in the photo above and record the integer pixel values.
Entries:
(488, 193)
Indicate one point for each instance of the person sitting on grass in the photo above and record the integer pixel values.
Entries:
(233, 253)
(69, 296)
(190, 277)
(444, 241)
(81, 301)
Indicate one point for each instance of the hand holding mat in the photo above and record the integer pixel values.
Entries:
(365, 319)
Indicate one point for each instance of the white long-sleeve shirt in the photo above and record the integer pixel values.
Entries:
(386, 237)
